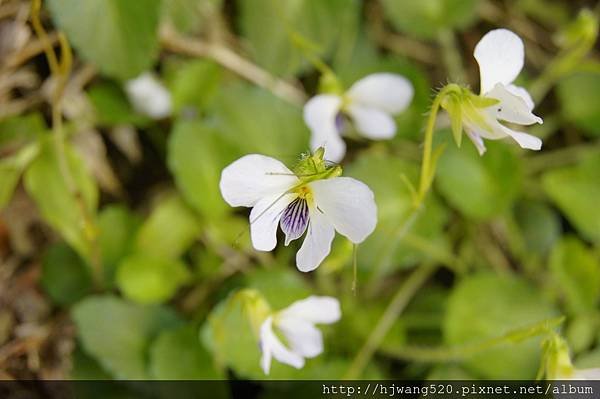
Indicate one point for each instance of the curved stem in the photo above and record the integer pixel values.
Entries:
(396, 306)
(426, 165)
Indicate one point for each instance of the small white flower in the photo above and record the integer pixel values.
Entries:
(582, 374)
(149, 96)
(297, 325)
(369, 103)
(500, 55)
(312, 200)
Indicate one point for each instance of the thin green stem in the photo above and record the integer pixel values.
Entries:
(426, 163)
(394, 309)
(449, 354)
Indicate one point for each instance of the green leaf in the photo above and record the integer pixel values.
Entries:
(269, 27)
(118, 333)
(267, 124)
(479, 186)
(119, 37)
(383, 174)
(539, 224)
(280, 287)
(21, 129)
(194, 84)
(576, 273)
(170, 230)
(485, 306)
(147, 279)
(11, 169)
(579, 96)
(188, 15)
(179, 355)
(232, 333)
(576, 190)
(425, 19)
(65, 276)
(112, 107)
(196, 156)
(117, 227)
(46, 184)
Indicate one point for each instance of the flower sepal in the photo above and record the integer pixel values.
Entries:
(312, 167)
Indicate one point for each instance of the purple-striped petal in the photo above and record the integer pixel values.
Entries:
(294, 219)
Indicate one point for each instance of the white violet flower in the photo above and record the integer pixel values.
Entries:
(369, 104)
(500, 55)
(149, 96)
(296, 323)
(312, 199)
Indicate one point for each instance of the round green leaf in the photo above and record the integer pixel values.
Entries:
(119, 37)
(117, 333)
(479, 186)
(65, 276)
(426, 18)
(196, 155)
(179, 355)
(486, 306)
(146, 278)
(45, 182)
(579, 96)
(576, 190)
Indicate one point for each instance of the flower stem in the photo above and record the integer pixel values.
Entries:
(394, 309)
(427, 165)
(448, 354)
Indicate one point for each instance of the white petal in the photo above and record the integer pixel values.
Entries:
(271, 345)
(385, 91)
(372, 123)
(586, 374)
(264, 220)
(315, 309)
(266, 335)
(253, 177)
(477, 140)
(349, 204)
(335, 148)
(500, 55)
(523, 93)
(319, 114)
(317, 243)
(302, 336)
(525, 140)
(149, 96)
(512, 108)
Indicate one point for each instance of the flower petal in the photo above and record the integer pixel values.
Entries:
(477, 140)
(315, 309)
(317, 243)
(523, 93)
(586, 374)
(264, 220)
(294, 220)
(320, 114)
(525, 140)
(272, 346)
(148, 96)
(512, 108)
(302, 336)
(372, 123)
(349, 204)
(253, 177)
(500, 55)
(387, 92)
